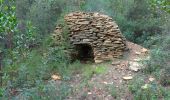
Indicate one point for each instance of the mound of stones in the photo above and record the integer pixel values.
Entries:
(97, 30)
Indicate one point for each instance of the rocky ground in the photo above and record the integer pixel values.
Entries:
(113, 83)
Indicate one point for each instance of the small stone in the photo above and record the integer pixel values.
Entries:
(115, 78)
(134, 66)
(105, 82)
(117, 42)
(144, 50)
(151, 79)
(137, 60)
(56, 77)
(89, 93)
(127, 77)
(138, 53)
(86, 40)
(83, 23)
(98, 61)
(116, 63)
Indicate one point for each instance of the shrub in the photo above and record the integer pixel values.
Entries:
(149, 91)
(49, 91)
(165, 76)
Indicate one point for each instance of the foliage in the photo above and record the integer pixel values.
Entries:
(28, 40)
(29, 58)
(112, 90)
(7, 17)
(159, 58)
(8, 23)
(161, 4)
(146, 22)
(89, 71)
(147, 91)
(135, 18)
(165, 76)
(42, 13)
(49, 91)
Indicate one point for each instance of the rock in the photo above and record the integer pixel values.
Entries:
(116, 63)
(105, 83)
(98, 61)
(138, 53)
(134, 66)
(107, 43)
(89, 93)
(144, 50)
(117, 42)
(137, 60)
(86, 40)
(56, 77)
(127, 77)
(151, 79)
(83, 23)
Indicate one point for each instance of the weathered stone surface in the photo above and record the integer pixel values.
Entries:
(128, 78)
(135, 66)
(97, 30)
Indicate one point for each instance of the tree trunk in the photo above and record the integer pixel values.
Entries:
(9, 42)
(1, 74)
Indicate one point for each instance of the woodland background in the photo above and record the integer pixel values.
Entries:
(27, 58)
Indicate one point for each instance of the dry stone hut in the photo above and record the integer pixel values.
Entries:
(95, 36)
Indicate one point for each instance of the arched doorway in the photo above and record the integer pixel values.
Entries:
(84, 52)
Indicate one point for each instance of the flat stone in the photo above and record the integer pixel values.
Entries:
(117, 42)
(56, 77)
(144, 50)
(127, 77)
(151, 79)
(116, 63)
(138, 53)
(83, 23)
(98, 61)
(86, 40)
(137, 59)
(134, 66)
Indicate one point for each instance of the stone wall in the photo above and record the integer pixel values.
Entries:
(97, 30)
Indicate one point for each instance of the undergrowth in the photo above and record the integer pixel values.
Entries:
(147, 91)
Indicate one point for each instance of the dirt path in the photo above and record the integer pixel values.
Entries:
(112, 84)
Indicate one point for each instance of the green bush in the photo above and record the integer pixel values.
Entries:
(48, 91)
(149, 91)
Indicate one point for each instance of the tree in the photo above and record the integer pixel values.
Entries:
(8, 23)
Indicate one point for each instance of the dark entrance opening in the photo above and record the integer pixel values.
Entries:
(85, 52)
